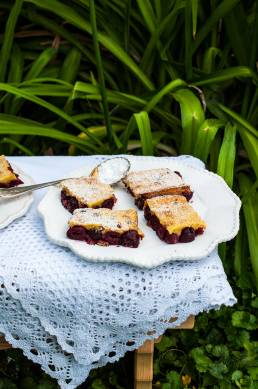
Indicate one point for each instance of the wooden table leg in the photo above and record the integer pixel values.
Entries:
(3, 344)
(143, 358)
(143, 366)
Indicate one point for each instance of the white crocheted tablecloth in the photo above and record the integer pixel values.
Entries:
(70, 315)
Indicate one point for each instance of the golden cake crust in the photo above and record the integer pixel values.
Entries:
(106, 220)
(6, 174)
(175, 213)
(87, 190)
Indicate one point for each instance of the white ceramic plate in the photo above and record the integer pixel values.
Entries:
(212, 198)
(11, 209)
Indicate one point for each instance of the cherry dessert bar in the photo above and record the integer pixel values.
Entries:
(86, 192)
(146, 184)
(105, 227)
(173, 219)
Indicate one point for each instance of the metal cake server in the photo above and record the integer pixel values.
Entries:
(110, 171)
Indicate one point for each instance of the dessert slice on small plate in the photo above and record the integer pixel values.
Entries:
(11, 209)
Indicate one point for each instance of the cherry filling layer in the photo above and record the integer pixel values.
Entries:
(71, 203)
(188, 234)
(111, 238)
(12, 183)
(140, 200)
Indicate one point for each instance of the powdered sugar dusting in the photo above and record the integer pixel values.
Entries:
(120, 221)
(146, 181)
(175, 210)
(87, 190)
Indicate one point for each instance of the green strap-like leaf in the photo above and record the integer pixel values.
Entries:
(143, 124)
(39, 64)
(223, 8)
(227, 155)
(170, 87)
(147, 13)
(251, 146)
(227, 74)
(205, 136)
(28, 96)
(102, 86)
(250, 207)
(238, 119)
(70, 15)
(192, 117)
(38, 130)
(8, 37)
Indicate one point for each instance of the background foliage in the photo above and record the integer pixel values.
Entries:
(152, 77)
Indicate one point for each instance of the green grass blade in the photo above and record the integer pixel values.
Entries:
(192, 117)
(194, 16)
(127, 24)
(209, 59)
(12, 128)
(128, 132)
(237, 29)
(40, 63)
(222, 9)
(147, 13)
(15, 73)
(16, 65)
(158, 9)
(17, 145)
(8, 37)
(70, 15)
(188, 40)
(227, 74)
(249, 208)
(251, 147)
(143, 124)
(205, 136)
(165, 25)
(170, 87)
(102, 86)
(241, 250)
(70, 68)
(28, 96)
(57, 29)
(227, 155)
(238, 119)
(130, 102)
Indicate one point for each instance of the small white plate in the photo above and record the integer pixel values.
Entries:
(212, 198)
(11, 209)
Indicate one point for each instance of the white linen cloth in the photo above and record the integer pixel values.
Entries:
(70, 315)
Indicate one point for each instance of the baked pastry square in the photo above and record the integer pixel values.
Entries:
(8, 178)
(146, 184)
(86, 192)
(105, 227)
(173, 219)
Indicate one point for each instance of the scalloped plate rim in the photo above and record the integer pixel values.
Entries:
(75, 248)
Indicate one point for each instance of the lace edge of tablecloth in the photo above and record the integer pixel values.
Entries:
(168, 313)
(165, 315)
(63, 385)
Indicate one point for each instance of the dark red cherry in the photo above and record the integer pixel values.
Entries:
(187, 235)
